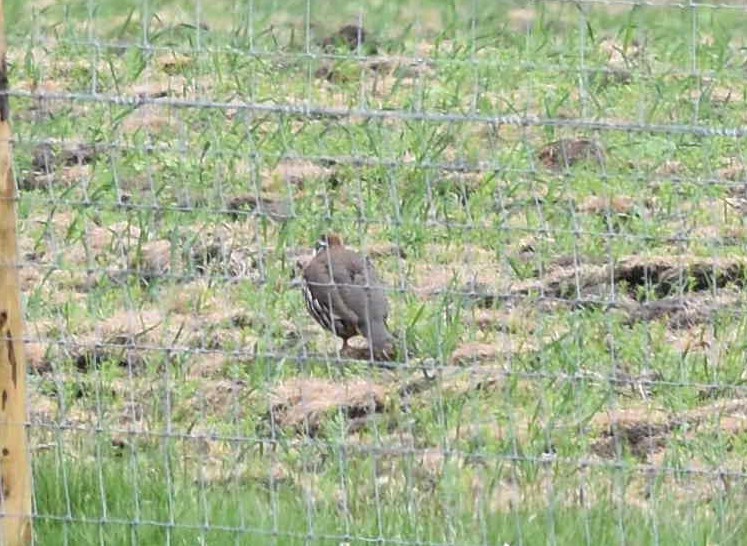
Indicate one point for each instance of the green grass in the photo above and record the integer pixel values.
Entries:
(440, 158)
(150, 498)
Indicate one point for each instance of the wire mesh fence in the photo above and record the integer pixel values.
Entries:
(552, 195)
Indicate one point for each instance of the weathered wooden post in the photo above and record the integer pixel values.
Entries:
(15, 471)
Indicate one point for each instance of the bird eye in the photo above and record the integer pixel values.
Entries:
(320, 245)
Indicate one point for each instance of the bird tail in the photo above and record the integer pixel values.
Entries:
(381, 340)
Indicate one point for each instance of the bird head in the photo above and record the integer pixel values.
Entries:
(298, 269)
(328, 240)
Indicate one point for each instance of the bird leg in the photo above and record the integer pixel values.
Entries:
(345, 347)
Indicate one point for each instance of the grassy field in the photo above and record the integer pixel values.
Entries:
(554, 193)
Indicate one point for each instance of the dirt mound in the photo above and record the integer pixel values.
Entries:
(303, 403)
(564, 153)
(643, 432)
(663, 276)
(686, 311)
(349, 37)
(277, 210)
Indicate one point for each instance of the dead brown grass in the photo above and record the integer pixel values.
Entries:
(687, 311)
(473, 272)
(153, 259)
(151, 118)
(522, 19)
(303, 403)
(295, 173)
(621, 55)
(471, 353)
(663, 274)
(514, 320)
(564, 153)
(173, 63)
(733, 170)
(350, 37)
(646, 431)
(498, 351)
(274, 208)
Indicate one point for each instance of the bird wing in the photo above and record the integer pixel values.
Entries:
(326, 289)
(360, 289)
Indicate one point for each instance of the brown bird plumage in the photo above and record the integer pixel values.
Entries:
(343, 294)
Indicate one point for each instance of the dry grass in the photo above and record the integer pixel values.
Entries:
(304, 403)
(563, 154)
(646, 432)
(660, 273)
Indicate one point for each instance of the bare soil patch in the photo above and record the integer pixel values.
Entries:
(123, 338)
(498, 350)
(662, 275)
(152, 260)
(473, 273)
(173, 63)
(622, 55)
(618, 208)
(521, 320)
(303, 403)
(152, 118)
(59, 164)
(275, 209)
(470, 353)
(384, 250)
(644, 432)
(296, 173)
(522, 19)
(734, 170)
(349, 37)
(221, 251)
(600, 205)
(685, 312)
(564, 153)
(47, 156)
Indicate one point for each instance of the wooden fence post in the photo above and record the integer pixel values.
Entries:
(15, 470)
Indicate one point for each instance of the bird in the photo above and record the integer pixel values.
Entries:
(342, 292)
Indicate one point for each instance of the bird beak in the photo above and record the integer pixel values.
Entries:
(295, 283)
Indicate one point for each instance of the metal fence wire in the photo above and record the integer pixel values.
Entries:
(552, 195)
